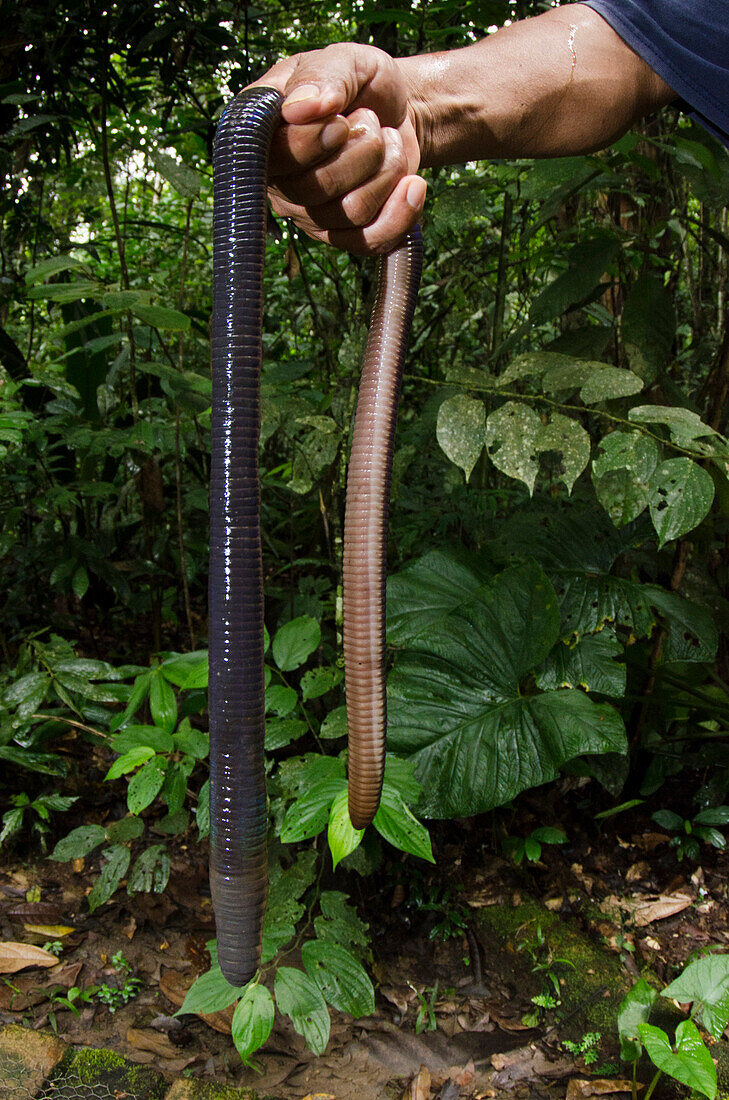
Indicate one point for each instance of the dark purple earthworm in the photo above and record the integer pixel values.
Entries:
(238, 861)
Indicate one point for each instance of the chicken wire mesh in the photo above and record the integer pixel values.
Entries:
(19, 1082)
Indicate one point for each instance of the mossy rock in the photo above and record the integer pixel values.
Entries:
(592, 980)
(105, 1075)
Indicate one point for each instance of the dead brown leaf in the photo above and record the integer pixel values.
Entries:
(648, 841)
(175, 987)
(508, 1023)
(419, 1087)
(647, 910)
(577, 1088)
(524, 1064)
(16, 956)
(153, 1041)
(638, 871)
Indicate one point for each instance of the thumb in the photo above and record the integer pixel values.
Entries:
(340, 77)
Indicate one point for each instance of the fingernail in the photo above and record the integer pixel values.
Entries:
(416, 193)
(306, 91)
(334, 133)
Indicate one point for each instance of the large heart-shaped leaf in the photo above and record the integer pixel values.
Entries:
(462, 702)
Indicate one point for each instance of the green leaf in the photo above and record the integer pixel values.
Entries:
(610, 383)
(689, 1062)
(343, 981)
(282, 731)
(162, 702)
(648, 325)
(343, 838)
(134, 737)
(622, 470)
(334, 725)
(705, 982)
(461, 431)
(635, 1009)
(318, 681)
(64, 293)
(512, 432)
(80, 583)
(137, 755)
(400, 827)
(151, 872)
(169, 320)
(252, 1021)
(51, 266)
(187, 670)
(588, 663)
(210, 993)
(309, 814)
(144, 787)
(457, 707)
(588, 261)
(79, 842)
(680, 496)
(425, 592)
(295, 641)
(716, 815)
(570, 440)
(685, 427)
(280, 700)
(114, 869)
(183, 178)
(193, 742)
(126, 829)
(300, 999)
(667, 819)
(202, 810)
(546, 834)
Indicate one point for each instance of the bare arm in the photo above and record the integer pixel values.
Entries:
(556, 85)
(559, 84)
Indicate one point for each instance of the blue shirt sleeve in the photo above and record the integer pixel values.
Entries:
(687, 44)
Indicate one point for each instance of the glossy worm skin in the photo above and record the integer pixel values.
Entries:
(365, 523)
(238, 857)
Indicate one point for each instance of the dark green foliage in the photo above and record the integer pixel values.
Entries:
(558, 525)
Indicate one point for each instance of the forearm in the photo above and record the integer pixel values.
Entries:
(558, 84)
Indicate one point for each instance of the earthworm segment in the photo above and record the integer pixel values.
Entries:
(238, 858)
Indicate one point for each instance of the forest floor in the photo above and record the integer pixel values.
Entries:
(452, 993)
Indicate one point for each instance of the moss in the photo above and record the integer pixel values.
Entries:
(104, 1067)
(592, 982)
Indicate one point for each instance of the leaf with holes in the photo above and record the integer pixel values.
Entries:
(461, 430)
(295, 641)
(113, 871)
(512, 432)
(680, 496)
(621, 473)
(570, 440)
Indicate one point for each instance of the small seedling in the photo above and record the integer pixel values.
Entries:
(586, 1049)
(115, 997)
(689, 831)
(530, 848)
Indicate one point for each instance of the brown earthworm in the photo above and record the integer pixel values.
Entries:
(238, 820)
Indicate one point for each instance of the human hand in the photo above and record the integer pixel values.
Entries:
(343, 162)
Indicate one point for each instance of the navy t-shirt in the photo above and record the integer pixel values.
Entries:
(687, 43)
